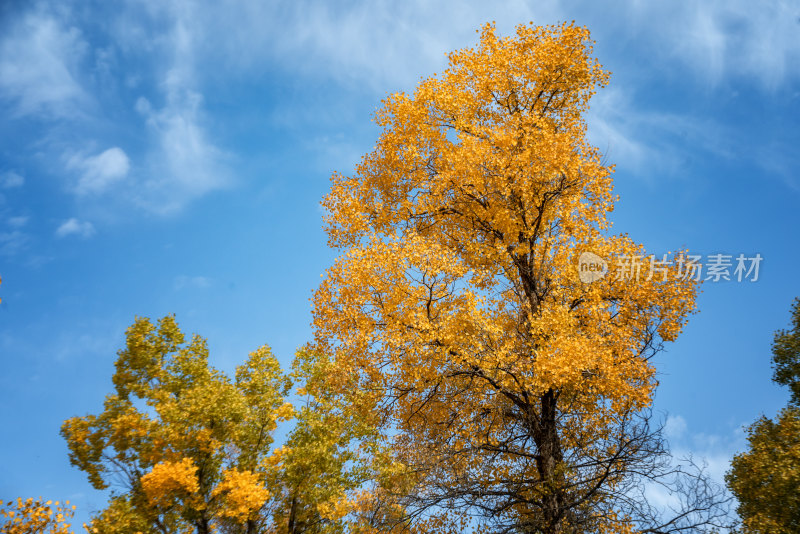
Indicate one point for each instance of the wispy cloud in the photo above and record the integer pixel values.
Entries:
(39, 59)
(616, 130)
(675, 427)
(48, 53)
(381, 46)
(377, 45)
(73, 226)
(718, 39)
(692, 454)
(183, 162)
(10, 179)
(649, 142)
(13, 237)
(389, 45)
(780, 158)
(197, 282)
(714, 450)
(56, 63)
(101, 171)
(12, 242)
(18, 222)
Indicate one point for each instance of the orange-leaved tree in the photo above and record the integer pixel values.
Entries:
(186, 449)
(515, 394)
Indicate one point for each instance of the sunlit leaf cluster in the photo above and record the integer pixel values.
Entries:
(35, 516)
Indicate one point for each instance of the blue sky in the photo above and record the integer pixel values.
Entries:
(169, 157)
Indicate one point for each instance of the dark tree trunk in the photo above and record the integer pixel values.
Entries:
(548, 463)
(292, 516)
(203, 526)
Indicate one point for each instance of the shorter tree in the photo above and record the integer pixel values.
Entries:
(185, 448)
(786, 355)
(766, 478)
(317, 475)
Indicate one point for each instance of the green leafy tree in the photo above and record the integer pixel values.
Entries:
(786, 355)
(316, 472)
(766, 478)
(185, 448)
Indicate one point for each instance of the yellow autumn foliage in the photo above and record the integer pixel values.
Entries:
(169, 481)
(766, 478)
(241, 493)
(335, 508)
(455, 304)
(35, 516)
(184, 447)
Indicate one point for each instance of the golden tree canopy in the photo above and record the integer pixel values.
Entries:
(456, 301)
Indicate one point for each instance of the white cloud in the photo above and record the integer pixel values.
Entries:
(710, 453)
(10, 179)
(649, 142)
(722, 38)
(780, 159)
(386, 45)
(13, 242)
(383, 46)
(616, 130)
(198, 282)
(45, 62)
(675, 427)
(17, 222)
(379, 45)
(75, 227)
(100, 171)
(43, 59)
(715, 451)
(88, 341)
(185, 163)
(39, 59)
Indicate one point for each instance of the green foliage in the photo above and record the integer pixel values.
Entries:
(766, 478)
(786, 355)
(185, 448)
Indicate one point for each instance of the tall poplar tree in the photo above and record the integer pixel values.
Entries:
(514, 393)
